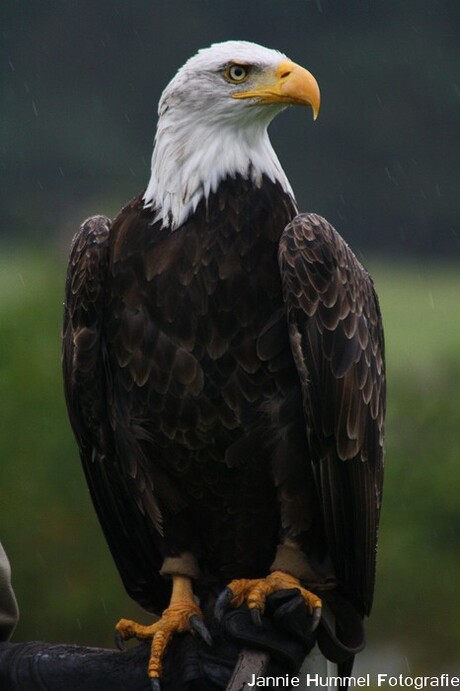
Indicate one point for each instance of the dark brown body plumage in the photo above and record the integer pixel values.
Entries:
(225, 385)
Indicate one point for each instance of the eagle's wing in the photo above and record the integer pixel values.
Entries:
(336, 338)
(118, 495)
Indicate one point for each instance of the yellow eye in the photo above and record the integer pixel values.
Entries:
(236, 73)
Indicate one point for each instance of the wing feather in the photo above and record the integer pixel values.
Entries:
(337, 342)
(122, 492)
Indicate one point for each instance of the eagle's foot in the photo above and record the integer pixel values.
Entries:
(254, 593)
(183, 614)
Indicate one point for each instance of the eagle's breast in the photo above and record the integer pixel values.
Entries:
(187, 310)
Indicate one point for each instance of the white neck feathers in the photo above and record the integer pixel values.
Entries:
(192, 157)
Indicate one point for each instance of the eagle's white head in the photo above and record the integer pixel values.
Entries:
(213, 119)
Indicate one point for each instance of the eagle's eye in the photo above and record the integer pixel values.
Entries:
(236, 73)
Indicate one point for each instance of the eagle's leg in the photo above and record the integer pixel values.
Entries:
(254, 592)
(182, 614)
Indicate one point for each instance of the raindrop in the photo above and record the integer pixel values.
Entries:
(390, 176)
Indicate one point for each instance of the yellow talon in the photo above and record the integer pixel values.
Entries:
(255, 591)
(175, 619)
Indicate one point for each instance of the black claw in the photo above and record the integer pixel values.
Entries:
(200, 628)
(315, 618)
(119, 640)
(222, 603)
(155, 684)
(256, 617)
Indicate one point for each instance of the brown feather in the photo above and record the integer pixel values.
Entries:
(337, 342)
(223, 384)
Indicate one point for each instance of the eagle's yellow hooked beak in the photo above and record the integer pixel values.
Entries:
(290, 84)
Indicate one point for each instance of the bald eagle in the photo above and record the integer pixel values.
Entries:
(223, 365)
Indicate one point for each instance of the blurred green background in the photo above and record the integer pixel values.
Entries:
(80, 84)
